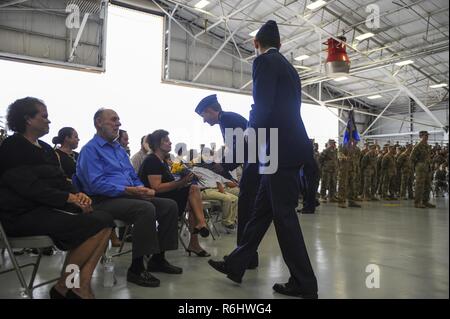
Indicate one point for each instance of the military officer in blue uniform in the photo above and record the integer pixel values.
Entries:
(277, 100)
(211, 111)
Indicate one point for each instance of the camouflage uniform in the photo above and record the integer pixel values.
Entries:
(356, 161)
(329, 163)
(388, 172)
(346, 177)
(368, 169)
(379, 175)
(420, 159)
(406, 174)
(398, 177)
(364, 151)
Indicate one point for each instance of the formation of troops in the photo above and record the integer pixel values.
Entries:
(390, 172)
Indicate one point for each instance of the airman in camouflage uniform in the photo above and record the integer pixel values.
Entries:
(420, 159)
(406, 173)
(368, 169)
(364, 151)
(379, 172)
(346, 176)
(388, 172)
(356, 161)
(329, 163)
(396, 181)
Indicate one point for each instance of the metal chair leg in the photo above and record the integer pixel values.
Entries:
(127, 228)
(209, 218)
(25, 289)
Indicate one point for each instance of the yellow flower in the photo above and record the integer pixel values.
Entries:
(177, 167)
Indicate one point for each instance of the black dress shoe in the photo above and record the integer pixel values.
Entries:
(71, 295)
(220, 267)
(55, 294)
(288, 290)
(163, 266)
(144, 279)
(307, 211)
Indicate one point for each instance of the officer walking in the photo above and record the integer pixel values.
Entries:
(277, 98)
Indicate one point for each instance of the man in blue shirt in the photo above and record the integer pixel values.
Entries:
(105, 173)
(277, 97)
(211, 112)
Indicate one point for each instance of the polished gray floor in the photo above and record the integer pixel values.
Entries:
(409, 246)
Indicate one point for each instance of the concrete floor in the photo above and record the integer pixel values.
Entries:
(409, 245)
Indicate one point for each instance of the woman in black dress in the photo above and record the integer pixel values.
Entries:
(68, 140)
(155, 173)
(37, 199)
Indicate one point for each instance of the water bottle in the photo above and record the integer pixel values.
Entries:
(108, 274)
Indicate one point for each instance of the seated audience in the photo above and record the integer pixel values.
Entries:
(138, 158)
(67, 140)
(124, 141)
(37, 199)
(155, 173)
(213, 189)
(104, 172)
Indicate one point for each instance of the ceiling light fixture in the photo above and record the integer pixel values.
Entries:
(364, 36)
(402, 63)
(373, 97)
(315, 5)
(437, 86)
(201, 4)
(301, 57)
(341, 78)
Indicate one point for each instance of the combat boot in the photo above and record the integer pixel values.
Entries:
(429, 205)
(342, 205)
(334, 200)
(353, 204)
(419, 205)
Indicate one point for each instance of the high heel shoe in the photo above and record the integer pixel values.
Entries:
(72, 295)
(55, 294)
(204, 232)
(201, 253)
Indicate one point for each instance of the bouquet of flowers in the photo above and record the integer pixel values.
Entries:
(180, 170)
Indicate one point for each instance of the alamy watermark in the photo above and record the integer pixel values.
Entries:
(73, 279)
(249, 146)
(373, 19)
(373, 279)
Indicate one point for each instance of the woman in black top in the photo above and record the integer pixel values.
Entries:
(68, 140)
(155, 173)
(37, 199)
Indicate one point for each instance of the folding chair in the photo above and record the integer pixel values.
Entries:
(207, 206)
(182, 223)
(119, 224)
(38, 242)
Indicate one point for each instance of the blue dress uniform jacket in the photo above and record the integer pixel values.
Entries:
(277, 98)
(276, 93)
(231, 120)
